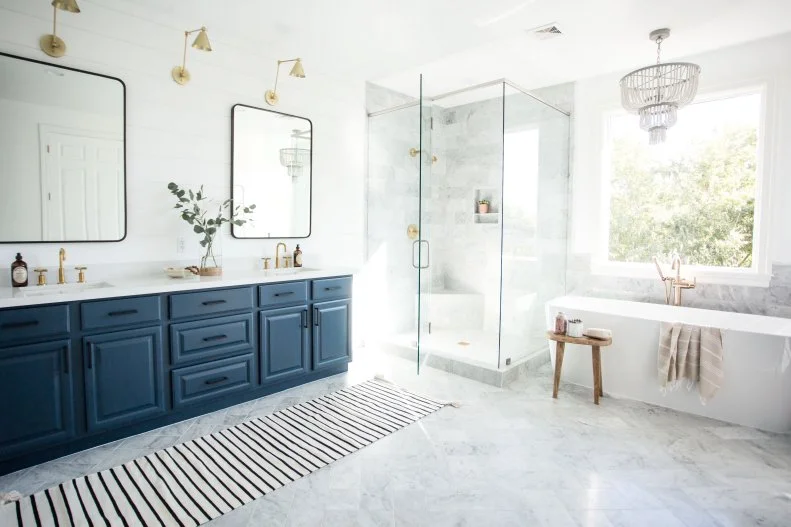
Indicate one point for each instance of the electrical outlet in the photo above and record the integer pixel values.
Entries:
(180, 245)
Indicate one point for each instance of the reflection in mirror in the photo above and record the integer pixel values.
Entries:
(62, 158)
(272, 167)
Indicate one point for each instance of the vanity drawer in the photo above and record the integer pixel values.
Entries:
(210, 339)
(120, 312)
(33, 323)
(330, 288)
(211, 302)
(285, 293)
(206, 381)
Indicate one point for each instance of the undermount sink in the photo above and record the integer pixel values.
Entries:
(64, 289)
(286, 270)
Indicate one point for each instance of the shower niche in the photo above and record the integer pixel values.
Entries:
(486, 205)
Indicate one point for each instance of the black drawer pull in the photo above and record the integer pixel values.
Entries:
(217, 380)
(213, 302)
(316, 316)
(20, 325)
(333, 288)
(215, 337)
(285, 294)
(122, 313)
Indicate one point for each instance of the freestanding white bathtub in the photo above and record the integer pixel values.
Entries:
(757, 359)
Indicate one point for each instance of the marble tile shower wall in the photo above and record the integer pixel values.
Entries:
(774, 300)
(468, 142)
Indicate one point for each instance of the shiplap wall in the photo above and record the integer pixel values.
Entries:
(183, 133)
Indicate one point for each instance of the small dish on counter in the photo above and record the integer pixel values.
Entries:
(181, 272)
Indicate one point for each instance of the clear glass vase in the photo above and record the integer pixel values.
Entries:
(210, 263)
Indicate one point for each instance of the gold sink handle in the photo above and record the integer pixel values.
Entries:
(42, 275)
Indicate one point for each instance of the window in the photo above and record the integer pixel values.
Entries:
(695, 194)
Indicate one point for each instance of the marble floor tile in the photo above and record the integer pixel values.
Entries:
(508, 456)
(644, 518)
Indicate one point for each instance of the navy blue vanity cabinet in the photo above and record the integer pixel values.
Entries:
(80, 374)
(331, 333)
(285, 343)
(124, 377)
(36, 390)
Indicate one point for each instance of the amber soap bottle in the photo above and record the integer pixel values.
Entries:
(298, 257)
(19, 272)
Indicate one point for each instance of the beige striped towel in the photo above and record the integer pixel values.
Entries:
(693, 353)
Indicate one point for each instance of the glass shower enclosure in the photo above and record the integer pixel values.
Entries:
(467, 202)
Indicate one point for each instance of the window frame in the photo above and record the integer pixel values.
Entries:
(761, 271)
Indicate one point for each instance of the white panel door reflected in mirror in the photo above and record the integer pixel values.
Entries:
(272, 155)
(62, 158)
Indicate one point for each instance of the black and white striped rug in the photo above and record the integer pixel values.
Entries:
(200, 480)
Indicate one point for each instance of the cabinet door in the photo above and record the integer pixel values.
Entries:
(124, 378)
(285, 343)
(331, 333)
(36, 390)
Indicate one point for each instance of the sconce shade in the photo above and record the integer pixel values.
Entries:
(202, 41)
(297, 70)
(66, 5)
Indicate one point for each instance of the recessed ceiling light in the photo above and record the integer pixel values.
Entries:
(546, 32)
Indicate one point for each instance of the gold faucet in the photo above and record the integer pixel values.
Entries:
(61, 272)
(277, 254)
(674, 284)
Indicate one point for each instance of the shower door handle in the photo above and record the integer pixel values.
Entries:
(417, 254)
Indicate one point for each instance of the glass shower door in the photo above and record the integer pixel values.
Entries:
(390, 281)
(398, 242)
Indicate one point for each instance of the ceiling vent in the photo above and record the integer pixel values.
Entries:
(546, 32)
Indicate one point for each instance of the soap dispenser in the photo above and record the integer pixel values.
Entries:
(19, 272)
(297, 257)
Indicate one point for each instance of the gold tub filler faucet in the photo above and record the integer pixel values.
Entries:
(674, 284)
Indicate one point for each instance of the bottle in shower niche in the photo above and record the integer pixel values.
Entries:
(560, 323)
(19, 272)
(297, 257)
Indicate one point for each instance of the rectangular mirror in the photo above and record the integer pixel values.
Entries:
(62, 154)
(272, 168)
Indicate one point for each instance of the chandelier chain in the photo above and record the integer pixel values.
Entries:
(658, 49)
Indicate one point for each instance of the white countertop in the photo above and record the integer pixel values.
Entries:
(136, 286)
(742, 322)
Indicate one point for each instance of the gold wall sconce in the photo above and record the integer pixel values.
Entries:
(52, 44)
(180, 73)
(297, 70)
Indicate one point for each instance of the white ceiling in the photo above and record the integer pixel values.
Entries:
(456, 43)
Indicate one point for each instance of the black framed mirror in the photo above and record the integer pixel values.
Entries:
(62, 154)
(272, 167)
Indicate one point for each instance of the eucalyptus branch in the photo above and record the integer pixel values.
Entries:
(195, 213)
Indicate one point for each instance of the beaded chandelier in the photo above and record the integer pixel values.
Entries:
(656, 92)
(294, 159)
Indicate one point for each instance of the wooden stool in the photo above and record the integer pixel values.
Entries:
(595, 344)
